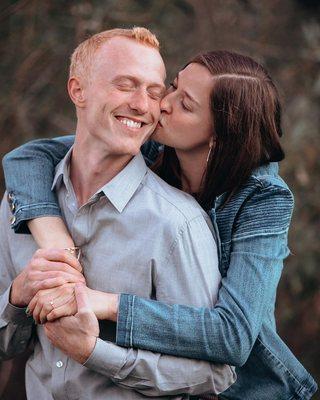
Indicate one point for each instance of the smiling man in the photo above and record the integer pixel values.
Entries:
(137, 235)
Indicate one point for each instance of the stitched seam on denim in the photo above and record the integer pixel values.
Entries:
(127, 325)
(123, 325)
(258, 233)
(131, 322)
(265, 181)
(291, 374)
(303, 389)
(36, 206)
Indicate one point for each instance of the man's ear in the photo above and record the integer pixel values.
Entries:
(76, 91)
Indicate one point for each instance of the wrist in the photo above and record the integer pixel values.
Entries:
(113, 306)
(14, 297)
(104, 305)
(87, 349)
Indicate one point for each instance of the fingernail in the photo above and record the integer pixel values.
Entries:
(28, 312)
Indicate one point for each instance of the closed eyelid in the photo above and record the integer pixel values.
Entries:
(125, 81)
(186, 94)
(156, 91)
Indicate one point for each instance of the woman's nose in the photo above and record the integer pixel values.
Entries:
(165, 104)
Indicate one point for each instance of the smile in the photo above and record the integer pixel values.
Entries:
(130, 123)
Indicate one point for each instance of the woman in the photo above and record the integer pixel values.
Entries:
(222, 145)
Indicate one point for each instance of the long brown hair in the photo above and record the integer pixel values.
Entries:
(246, 115)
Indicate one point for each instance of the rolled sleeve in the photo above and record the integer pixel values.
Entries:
(29, 171)
(124, 321)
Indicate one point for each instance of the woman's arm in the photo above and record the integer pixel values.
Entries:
(226, 333)
(29, 172)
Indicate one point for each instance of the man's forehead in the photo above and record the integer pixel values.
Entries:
(126, 56)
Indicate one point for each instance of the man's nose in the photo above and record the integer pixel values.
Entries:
(140, 102)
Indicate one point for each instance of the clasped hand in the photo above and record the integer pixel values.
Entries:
(47, 269)
(54, 288)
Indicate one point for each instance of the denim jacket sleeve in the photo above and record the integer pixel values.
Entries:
(29, 172)
(226, 333)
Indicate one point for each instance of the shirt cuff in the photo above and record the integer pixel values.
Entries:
(124, 322)
(106, 358)
(11, 313)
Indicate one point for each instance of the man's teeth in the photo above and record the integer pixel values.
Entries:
(130, 123)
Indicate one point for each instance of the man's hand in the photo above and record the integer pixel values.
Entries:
(47, 269)
(76, 335)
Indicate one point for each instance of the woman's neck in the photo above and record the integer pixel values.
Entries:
(193, 166)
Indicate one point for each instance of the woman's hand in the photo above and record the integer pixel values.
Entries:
(47, 269)
(51, 304)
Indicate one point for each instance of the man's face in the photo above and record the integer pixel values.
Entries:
(122, 96)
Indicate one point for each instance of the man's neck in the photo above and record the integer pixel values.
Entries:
(90, 168)
(193, 166)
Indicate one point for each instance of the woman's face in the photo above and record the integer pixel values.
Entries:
(186, 121)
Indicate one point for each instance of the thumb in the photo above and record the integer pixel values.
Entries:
(82, 299)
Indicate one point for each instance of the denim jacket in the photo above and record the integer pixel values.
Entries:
(240, 329)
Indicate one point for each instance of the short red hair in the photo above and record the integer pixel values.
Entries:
(82, 56)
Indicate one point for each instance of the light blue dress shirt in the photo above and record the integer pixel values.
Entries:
(138, 235)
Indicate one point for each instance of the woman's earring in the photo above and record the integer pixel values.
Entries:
(210, 149)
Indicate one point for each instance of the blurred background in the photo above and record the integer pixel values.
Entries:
(38, 36)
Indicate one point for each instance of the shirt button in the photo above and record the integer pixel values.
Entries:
(59, 364)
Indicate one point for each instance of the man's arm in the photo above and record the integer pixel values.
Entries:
(15, 326)
(189, 274)
(17, 289)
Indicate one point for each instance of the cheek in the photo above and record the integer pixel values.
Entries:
(154, 108)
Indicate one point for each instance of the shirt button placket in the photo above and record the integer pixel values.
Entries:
(58, 375)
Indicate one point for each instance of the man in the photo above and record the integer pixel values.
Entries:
(137, 235)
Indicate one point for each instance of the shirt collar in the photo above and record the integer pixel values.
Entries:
(123, 186)
(62, 171)
(119, 190)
